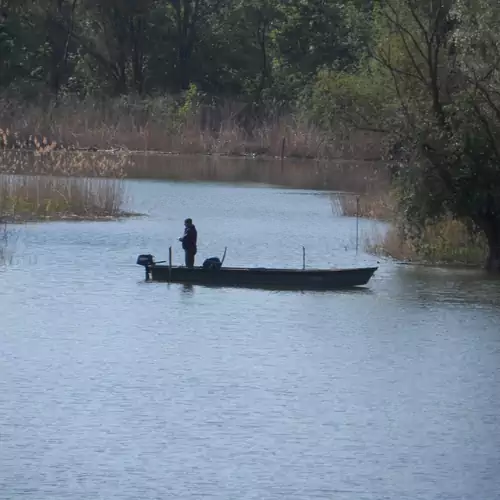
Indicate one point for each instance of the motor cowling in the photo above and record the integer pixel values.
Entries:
(145, 260)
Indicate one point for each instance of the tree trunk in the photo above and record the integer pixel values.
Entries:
(183, 69)
(493, 260)
(493, 236)
(186, 19)
(57, 38)
(136, 36)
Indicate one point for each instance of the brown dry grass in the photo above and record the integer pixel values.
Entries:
(58, 184)
(447, 241)
(28, 198)
(65, 163)
(158, 125)
(378, 205)
(3, 240)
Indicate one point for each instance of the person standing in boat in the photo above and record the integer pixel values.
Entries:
(189, 242)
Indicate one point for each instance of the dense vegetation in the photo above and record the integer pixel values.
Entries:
(245, 49)
(420, 75)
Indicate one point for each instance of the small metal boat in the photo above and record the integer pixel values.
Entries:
(212, 273)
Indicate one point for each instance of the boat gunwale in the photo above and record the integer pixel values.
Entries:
(269, 270)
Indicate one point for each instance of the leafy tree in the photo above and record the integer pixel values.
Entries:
(114, 37)
(450, 99)
(250, 49)
(57, 22)
(191, 17)
(315, 33)
(432, 83)
(22, 47)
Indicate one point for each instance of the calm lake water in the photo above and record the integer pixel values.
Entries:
(114, 388)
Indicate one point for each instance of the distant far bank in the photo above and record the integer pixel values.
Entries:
(153, 127)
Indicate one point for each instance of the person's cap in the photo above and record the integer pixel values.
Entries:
(188, 221)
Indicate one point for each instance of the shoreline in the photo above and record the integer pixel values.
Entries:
(441, 265)
(19, 220)
(116, 151)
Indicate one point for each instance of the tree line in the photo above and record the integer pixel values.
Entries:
(246, 49)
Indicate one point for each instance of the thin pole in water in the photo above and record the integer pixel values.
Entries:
(282, 155)
(357, 224)
(303, 258)
(170, 263)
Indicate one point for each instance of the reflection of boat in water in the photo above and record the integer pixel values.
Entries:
(213, 273)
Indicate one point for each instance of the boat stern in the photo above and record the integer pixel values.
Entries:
(147, 261)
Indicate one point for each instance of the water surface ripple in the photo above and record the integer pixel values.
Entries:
(118, 389)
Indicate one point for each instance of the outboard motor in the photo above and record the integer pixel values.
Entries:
(212, 263)
(146, 260)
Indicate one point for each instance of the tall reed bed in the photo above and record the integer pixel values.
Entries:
(444, 241)
(171, 125)
(3, 240)
(378, 205)
(24, 198)
(64, 162)
(60, 184)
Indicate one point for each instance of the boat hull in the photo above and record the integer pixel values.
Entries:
(326, 279)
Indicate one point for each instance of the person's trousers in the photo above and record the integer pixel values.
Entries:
(189, 257)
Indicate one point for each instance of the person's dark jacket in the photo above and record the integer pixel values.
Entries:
(189, 239)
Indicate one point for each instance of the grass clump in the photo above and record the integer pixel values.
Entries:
(64, 163)
(58, 184)
(3, 240)
(378, 205)
(28, 198)
(444, 241)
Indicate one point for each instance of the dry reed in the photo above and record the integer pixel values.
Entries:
(51, 183)
(377, 205)
(3, 240)
(24, 198)
(447, 241)
(157, 125)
